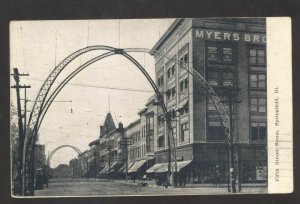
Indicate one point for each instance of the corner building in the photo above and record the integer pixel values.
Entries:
(230, 54)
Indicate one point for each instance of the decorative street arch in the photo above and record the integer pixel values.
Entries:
(60, 147)
(43, 102)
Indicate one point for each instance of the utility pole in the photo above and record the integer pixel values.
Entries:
(22, 130)
(125, 142)
(109, 151)
(231, 99)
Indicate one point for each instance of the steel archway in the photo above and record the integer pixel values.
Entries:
(60, 147)
(42, 103)
(39, 105)
(81, 157)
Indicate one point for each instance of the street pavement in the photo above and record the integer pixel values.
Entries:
(96, 187)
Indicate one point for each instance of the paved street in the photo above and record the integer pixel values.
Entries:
(82, 187)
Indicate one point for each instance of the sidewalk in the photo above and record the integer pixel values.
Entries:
(152, 184)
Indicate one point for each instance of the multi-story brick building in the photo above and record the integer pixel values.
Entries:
(111, 152)
(227, 53)
(141, 135)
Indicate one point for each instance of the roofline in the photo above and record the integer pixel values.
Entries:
(132, 124)
(166, 35)
(95, 142)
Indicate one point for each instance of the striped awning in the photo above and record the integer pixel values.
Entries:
(136, 166)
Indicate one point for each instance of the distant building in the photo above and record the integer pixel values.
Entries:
(75, 165)
(111, 152)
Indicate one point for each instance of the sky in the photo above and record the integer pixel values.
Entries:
(113, 84)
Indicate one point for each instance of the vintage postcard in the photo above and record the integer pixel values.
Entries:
(141, 107)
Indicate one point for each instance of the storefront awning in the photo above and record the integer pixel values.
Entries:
(130, 164)
(112, 165)
(104, 169)
(182, 164)
(163, 167)
(137, 165)
(155, 167)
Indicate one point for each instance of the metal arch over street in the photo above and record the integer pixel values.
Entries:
(206, 86)
(42, 104)
(58, 148)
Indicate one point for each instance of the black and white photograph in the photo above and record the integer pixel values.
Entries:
(150, 107)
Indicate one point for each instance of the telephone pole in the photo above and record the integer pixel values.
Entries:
(124, 143)
(232, 151)
(22, 130)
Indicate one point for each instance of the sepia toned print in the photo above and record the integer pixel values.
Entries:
(146, 107)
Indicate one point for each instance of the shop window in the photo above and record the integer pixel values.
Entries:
(258, 131)
(258, 104)
(184, 136)
(161, 141)
(257, 56)
(215, 131)
(258, 80)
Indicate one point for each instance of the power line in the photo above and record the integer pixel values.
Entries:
(104, 87)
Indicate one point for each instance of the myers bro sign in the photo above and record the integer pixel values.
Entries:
(230, 36)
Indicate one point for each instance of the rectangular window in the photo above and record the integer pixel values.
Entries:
(257, 80)
(215, 131)
(173, 92)
(212, 53)
(257, 56)
(184, 84)
(262, 105)
(213, 78)
(227, 54)
(184, 136)
(171, 71)
(184, 60)
(258, 104)
(227, 79)
(150, 125)
(258, 131)
(161, 120)
(161, 141)
(220, 78)
(184, 110)
(168, 93)
(149, 143)
(220, 53)
(160, 80)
